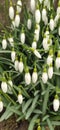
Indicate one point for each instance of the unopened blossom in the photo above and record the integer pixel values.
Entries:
(27, 77)
(4, 86)
(29, 23)
(20, 98)
(34, 44)
(13, 55)
(56, 103)
(37, 16)
(22, 37)
(52, 24)
(21, 66)
(44, 14)
(37, 54)
(16, 64)
(11, 12)
(4, 43)
(11, 41)
(34, 76)
(59, 30)
(19, 6)
(1, 106)
(32, 5)
(17, 20)
(50, 72)
(44, 77)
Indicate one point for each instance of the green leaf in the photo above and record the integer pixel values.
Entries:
(32, 122)
(50, 124)
(26, 105)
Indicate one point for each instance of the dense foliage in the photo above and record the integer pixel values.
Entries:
(30, 65)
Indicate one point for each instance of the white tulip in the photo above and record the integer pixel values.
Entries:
(16, 64)
(37, 16)
(44, 77)
(59, 30)
(27, 78)
(11, 12)
(1, 106)
(34, 45)
(19, 6)
(22, 37)
(21, 66)
(29, 24)
(11, 41)
(13, 55)
(57, 62)
(20, 98)
(34, 77)
(49, 60)
(17, 20)
(56, 104)
(4, 86)
(51, 24)
(32, 5)
(50, 72)
(44, 13)
(37, 54)
(4, 43)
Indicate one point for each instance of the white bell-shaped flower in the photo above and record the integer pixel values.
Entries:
(1, 106)
(56, 103)
(19, 6)
(4, 86)
(17, 20)
(45, 44)
(21, 66)
(44, 14)
(20, 98)
(16, 64)
(13, 55)
(11, 12)
(57, 62)
(52, 24)
(29, 23)
(34, 44)
(34, 76)
(37, 54)
(50, 72)
(22, 37)
(37, 16)
(32, 5)
(44, 77)
(27, 78)
(4, 43)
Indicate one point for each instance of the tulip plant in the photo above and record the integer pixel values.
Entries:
(30, 65)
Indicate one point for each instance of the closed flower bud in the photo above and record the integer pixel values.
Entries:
(46, 20)
(17, 20)
(59, 30)
(44, 14)
(19, 6)
(11, 12)
(32, 5)
(56, 103)
(11, 41)
(16, 64)
(56, 19)
(22, 37)
(44, 77)
(50, 72)
(45, 44)
(49, 60)
(29, 24)
(37, 16)
(13, 54)
(34, 45)
(37, 54)
(4, 86)
(27, 78)
(1, 106)
(34, 76)
(21, 66)
(39, 128)
(20, 98)
(36, 34)
(4, 43)
(51, 24)
(57, 62)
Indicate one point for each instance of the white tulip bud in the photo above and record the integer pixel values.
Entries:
(22, 37)
(44, 13)
(20, 98)
(13, 54)
(37, 16)
(1, 106)
(44, 77)
(34, 45)
(19, 6)
(37, 54)
(11, 41)
(17, 20)
(4, 43)
(34, 76)
(21, 66)
(51, 24)
(4, 86)
(16, 64)
(50, 72)
(29, 24)
(32, 5)
(11, 12)
(56, 103)
(27, 78)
